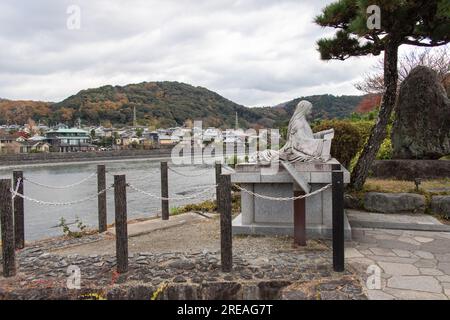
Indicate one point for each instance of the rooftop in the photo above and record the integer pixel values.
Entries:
(71, 130)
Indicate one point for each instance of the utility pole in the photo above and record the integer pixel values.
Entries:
(134, 117)
(236, 125)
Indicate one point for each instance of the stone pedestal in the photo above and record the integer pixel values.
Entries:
(267, 217)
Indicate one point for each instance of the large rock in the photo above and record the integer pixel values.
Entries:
(441, 205)
(422, 126)
(447, 84)
(394, 202)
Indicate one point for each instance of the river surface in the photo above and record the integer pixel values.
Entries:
(41, 221)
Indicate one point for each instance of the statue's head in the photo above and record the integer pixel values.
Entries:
(304, 108)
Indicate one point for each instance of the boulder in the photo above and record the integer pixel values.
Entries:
(394, 202)
(422, 126)
(447, 84)
(352, 202)
(441, 205)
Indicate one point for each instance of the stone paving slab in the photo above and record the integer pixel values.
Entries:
(417, 222)
(413, 264)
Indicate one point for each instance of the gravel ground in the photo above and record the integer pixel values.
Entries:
(181, 262)
(196, 236)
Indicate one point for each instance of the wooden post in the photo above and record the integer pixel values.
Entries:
(19, 219)
(164, 191)
(299, 219)
(218, 173)
(7, 225)
(226, 239)
(120, 200)
(101, 185)
(338, 220)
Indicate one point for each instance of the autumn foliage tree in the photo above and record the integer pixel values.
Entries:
(376, 26)
(369, 103)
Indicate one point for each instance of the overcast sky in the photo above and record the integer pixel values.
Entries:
(254, 52)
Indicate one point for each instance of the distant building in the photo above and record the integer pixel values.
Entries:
(69, 140)
(166, 140)
(33, 146)
(152, 138)
(9, 143)
(212, 134)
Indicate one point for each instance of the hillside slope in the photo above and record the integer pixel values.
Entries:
(165, 104)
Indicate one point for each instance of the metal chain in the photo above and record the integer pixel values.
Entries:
(61, 187)
(186, 175)
(282, 199)
(172, 198)
(19, 181)
(60, 204)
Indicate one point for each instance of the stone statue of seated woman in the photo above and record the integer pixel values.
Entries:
(302, 144)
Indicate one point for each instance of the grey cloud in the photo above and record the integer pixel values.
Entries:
(254, 52)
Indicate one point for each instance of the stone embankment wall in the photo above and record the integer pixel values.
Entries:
(32, 158)
(399, 203)
(411, 169)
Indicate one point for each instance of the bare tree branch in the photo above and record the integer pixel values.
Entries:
(437, 59)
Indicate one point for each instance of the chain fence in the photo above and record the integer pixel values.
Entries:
(61, 187)
(139, 190)
(261, 196)
(59, 204)
(186, 175)
(194, 196)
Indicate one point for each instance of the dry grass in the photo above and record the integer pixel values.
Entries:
(396, 186)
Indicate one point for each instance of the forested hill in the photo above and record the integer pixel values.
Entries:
(165, 104)
(326, 106)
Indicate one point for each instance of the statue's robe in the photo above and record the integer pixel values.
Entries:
(302, 144)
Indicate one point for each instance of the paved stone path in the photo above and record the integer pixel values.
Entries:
(414, 264)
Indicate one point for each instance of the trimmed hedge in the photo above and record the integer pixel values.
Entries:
(347, 141)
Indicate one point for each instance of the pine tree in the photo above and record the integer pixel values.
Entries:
(372, 27)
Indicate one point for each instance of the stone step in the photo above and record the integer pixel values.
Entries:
(418, 222)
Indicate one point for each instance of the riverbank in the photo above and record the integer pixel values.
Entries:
(75, 157)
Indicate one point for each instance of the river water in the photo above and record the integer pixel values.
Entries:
(41, 221)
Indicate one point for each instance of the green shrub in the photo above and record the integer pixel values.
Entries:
(385, 152)
(347, 140)
(365, 128)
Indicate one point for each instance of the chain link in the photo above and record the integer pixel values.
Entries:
(19, 181)
(212, 188)
(186, 175)
(282, 199)
(60, 204)
(61, 187)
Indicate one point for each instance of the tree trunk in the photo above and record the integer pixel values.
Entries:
(361, 170)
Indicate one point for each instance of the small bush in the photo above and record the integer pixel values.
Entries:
(347, 140)
(365, 128)
(385, 152)
(72, 234)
